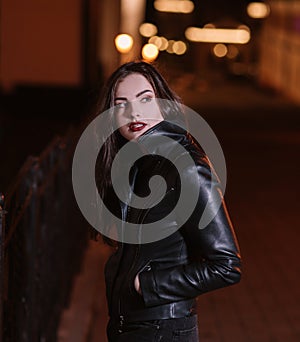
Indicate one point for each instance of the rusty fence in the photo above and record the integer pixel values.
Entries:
(42, 240)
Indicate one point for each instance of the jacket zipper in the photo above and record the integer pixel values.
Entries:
(140, 220)
(125, 210)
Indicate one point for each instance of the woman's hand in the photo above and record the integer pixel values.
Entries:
(137, 284)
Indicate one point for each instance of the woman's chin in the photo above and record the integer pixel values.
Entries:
(132, 135)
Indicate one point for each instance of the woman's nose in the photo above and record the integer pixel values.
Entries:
(134, 111)
(134, 115)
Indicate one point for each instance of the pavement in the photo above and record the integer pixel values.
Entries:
(86, 317)
(259, 132)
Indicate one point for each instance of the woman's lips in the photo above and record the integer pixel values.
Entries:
(137, 126)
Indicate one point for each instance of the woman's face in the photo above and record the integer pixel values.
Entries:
(136, 107)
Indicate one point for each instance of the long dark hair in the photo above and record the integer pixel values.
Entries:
(113, 143)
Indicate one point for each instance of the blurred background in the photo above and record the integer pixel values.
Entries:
(237, 63)
(55, 56)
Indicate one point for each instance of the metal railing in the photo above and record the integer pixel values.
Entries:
(42, 240)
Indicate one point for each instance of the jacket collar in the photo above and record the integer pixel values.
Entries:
(162, 138)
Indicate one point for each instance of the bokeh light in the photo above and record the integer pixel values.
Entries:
(244, 27)
(179, 47)
(220, 50)
(233, 51)
(209, 25)
(174, 6)
(150, 52)
(170, 46)
(156, 41)
(258, 10)
(123, 42)
(164, 43)
(217, 35)
(148, 30)
(160, 42)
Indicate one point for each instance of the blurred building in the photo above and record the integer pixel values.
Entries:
(56, 43)
(71, 43)
(279, 65)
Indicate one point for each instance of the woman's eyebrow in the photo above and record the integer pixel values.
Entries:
(137, 95)
(120, 98)
(142, 92)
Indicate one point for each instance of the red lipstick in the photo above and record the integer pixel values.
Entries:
(137, 126)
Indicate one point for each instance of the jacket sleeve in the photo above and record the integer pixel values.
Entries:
(215, 258)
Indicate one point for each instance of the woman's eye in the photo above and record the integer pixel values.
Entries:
(121, 105)
(146, 99)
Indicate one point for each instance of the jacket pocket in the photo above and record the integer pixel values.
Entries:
(146, 267)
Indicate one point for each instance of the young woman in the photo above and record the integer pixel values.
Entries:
(162, 260)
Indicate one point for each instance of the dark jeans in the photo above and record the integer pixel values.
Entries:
(183, 329)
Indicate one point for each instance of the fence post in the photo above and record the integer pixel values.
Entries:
(41, 244)
(2, 238)
(33, 247)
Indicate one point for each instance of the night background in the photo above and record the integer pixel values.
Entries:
(54, 59)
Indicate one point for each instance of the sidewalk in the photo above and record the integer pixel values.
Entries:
(86, 317)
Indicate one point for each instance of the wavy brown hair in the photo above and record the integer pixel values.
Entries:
(113, 143)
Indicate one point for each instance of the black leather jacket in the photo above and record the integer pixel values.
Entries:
(190, 261)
